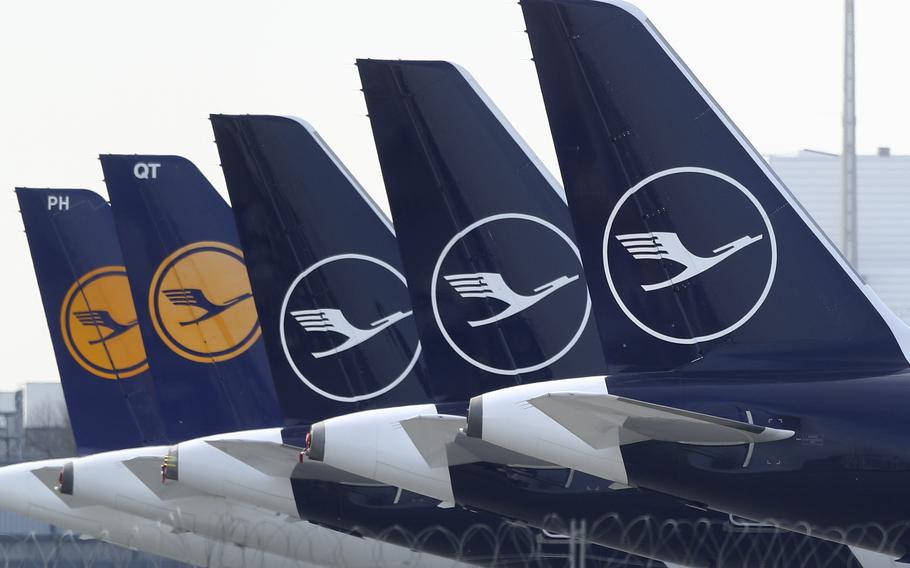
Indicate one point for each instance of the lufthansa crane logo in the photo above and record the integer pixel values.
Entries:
(689, 255)
(667, 246)
(329, 320)
(202, 304)
(99, 325)
(347, 328)
(492, 285)
(507, 294)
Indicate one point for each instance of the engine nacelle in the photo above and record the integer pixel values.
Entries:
(505, 418)
(374, 445)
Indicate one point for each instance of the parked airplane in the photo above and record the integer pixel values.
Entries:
(119, 493)
(460, 213)
(80, 268)
(129, 480)
(746, 357)
(157, 204)
(771, 384)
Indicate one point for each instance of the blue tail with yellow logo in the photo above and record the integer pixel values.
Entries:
(697, 256)
(192, 295)
(497, 283)
(97, 342)
(325, 270)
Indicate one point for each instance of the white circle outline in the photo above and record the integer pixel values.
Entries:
(284, 345)
(771, 238)
(445, 334)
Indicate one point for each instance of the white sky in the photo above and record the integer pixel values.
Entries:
(82, 78)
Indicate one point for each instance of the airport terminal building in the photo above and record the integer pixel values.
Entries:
(883, 199)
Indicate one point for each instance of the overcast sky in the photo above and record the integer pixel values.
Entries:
(90, 77)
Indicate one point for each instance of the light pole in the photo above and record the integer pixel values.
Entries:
(848, 157)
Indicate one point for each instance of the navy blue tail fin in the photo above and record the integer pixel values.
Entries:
(696, 254)
(325, 270)
(193, 296)
(497, 283)
(99, 348)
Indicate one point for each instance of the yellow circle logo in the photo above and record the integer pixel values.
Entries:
(202, 304)
(99, 325)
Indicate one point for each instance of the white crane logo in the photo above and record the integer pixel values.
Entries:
(500, 294)
(304, 318)
(660, 246)
(656, 221)
(492, 285)
(325, 320)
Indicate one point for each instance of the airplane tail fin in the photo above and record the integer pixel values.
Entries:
(696, 254)
(325, 270)
(497, 283)
(86, 295)
(193, 296)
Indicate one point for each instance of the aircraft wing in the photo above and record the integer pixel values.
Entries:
(605, 420)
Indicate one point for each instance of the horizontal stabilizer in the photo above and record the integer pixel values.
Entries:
(50, 477)
(147, 469)
(441, 441)
(605, 420)
(271, 458)
(432, 435)
(283, 460)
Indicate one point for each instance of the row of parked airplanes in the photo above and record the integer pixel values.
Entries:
(669, 342)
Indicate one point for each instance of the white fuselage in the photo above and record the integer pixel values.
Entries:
(510, 422)
(372, 444)
(105, 480)
(21, 491)
(208, 470)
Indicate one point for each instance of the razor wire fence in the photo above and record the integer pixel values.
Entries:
(574, 543)
(67, 550)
